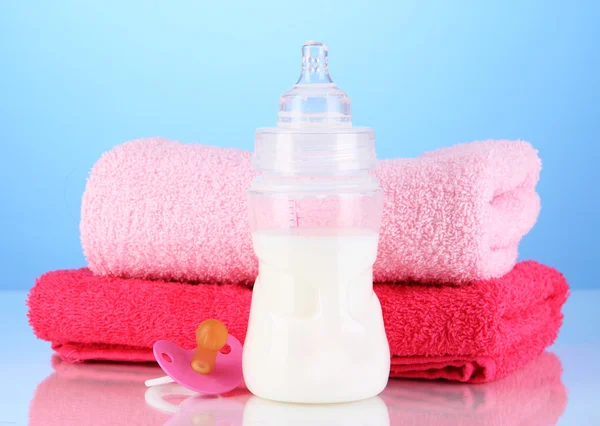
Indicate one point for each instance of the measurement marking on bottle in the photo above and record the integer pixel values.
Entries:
(294, 216)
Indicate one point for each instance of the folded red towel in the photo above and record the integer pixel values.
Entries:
(473, 333)
(112, 395)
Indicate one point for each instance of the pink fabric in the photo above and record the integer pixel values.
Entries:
(107, 394)
(473, 333)
(159, 209)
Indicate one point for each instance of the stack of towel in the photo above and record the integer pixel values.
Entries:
(165, 231)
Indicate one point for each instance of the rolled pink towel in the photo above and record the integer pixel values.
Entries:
(159, 209)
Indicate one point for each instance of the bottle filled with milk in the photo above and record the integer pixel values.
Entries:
(315, 333)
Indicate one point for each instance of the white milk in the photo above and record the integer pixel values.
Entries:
(316, 329)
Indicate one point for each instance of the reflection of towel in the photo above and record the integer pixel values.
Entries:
(475, 333)
(533, 395)
(98, 395)
(158, 209)
(103, 394)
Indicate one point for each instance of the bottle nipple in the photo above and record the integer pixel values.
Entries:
(211, 336)
(315, 64)
(315, 100)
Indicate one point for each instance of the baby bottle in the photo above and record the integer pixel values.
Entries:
(315, 333)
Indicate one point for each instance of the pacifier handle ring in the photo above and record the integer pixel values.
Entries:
(154, 397)
(159, 381)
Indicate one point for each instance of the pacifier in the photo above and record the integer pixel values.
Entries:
(213, 368)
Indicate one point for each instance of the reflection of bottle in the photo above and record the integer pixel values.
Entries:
(368, 412)
(246, 410)
(316, 331)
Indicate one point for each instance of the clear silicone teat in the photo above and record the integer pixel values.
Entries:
(315, 99)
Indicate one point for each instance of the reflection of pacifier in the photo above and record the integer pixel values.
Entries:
(209, 411)
(214, 367)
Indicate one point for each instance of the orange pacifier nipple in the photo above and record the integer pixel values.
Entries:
(211, 336)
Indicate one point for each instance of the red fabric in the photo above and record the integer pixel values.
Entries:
(473, 333)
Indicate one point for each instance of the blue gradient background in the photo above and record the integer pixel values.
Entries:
(77, 78)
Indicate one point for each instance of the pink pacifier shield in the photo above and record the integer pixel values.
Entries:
(226, 376)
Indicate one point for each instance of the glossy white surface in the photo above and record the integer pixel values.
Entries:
(100, 394)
